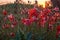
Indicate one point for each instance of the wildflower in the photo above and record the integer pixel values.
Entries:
(26, 21)
(58, 31)
(57, 14)
(3, 26)
(7, 25)
(33, 19)
(46, 11)
(33, 12)
(14, 22)
(12, 34)
(56, 9)
(4, 19)
(11, 17)
(12, 26)
(50, 27)
(4, 12)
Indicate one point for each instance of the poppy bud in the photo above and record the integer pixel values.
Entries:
(7, 26)
(12, 26)
(12, 34)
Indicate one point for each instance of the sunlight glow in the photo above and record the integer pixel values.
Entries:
(40, 2)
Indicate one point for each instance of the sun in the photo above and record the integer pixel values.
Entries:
(42, 2)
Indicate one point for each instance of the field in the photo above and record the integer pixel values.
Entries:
(16, 30)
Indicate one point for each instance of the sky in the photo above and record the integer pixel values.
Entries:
(26, 1)
(7, 1)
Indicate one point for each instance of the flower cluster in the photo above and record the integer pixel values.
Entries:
(43, 16)
(40, 17)
(49, 16)
(9, 22)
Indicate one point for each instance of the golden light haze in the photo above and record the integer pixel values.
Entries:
(6, 1)
(26, 1)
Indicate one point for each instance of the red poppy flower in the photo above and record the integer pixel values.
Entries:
(23, 20)
(5, 18)
(12, 34)
(42, 20)
(57, 34)
(58, 28)
(50, 27)
(52, 20)
(58, 31)
(4, 12)
(26, 21)
(14, 22)
(42, 23)
(7, 25)
(57, 14)
(46, 11)
(33, 12)
(56, 9)
(11, 17)
(33, 19)
(3, 26)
